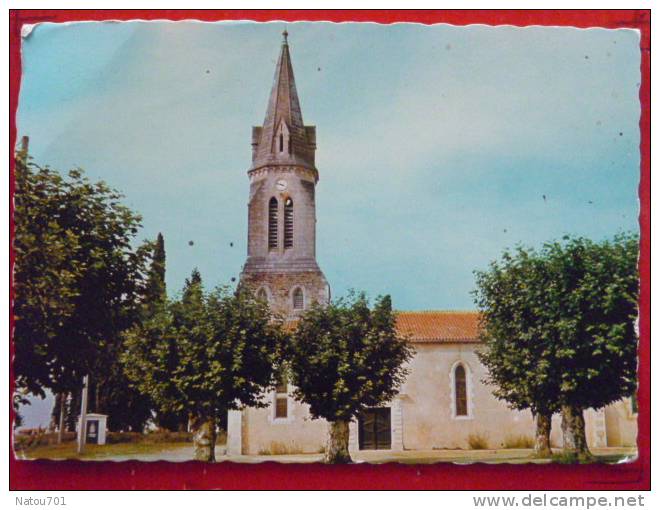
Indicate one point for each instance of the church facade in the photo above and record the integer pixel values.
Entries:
(444, 402)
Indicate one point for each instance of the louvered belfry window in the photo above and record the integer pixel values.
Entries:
(272, 223)
(298, 299)
(288, 223)
(460, 389)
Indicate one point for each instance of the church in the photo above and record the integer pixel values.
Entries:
(444, 401)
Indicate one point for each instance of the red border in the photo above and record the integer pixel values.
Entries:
(72, 475)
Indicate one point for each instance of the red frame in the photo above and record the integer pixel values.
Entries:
(72, 475)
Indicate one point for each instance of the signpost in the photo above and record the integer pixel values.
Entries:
(82, 425)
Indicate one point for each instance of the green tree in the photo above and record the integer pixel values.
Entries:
(577, 324)
(156, 295)
(112, 393)
(45, 275)
(203, 355)
(519, 347)
(596, 289)
(77, 277)
(18, 400)
(345, 358)
(156, 291)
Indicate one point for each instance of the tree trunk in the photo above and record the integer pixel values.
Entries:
(72, 402)
(97, 400)
(204, 437)
(542, 448)
(336, 451)
(60, 425)
(575, 438)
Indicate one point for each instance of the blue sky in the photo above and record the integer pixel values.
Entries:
(436, 144)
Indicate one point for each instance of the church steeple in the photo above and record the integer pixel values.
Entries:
(283, 138)
(281, 262)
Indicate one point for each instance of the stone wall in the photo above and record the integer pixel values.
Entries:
(279, 288)
(428, 407)
(279, 271)
(282, 182)
(621, 424)
(423, 414)
(263, 433)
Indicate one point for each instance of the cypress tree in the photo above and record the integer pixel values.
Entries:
(156, 291)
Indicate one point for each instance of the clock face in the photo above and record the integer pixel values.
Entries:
(280, 185)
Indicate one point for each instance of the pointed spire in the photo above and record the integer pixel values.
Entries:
(283, 116)
(284, 104)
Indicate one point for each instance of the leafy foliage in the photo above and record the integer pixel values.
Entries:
(156, 291)
(595, 290)
(155, 295)
(520, 346)
(345, 358)
(559, 324)
(113, 394)
(204, 353)
(77, 278)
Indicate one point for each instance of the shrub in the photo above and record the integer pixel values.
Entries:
(478, 441)
(29, 439)
(278, 448)
(167, 436)
(24, 440)
(518, 442)
(123, 437)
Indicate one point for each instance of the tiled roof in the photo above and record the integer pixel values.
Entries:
(290, 325)
(431, 326)
(439, 326)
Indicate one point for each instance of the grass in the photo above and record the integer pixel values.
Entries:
(278, 448)
(23, 441)
(96, 452)
(120, 445)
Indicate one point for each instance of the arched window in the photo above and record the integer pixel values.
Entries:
(281, 398)
(272, 223)
(262, 295)
(281, 142)
(298, 299)
(460, 391)
(288, 223)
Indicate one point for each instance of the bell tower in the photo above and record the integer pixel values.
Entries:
(281, 261)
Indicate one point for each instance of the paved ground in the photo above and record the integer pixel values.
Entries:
(185, 452)
(433, 456)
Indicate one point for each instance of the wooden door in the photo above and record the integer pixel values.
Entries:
(374, 429)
